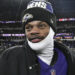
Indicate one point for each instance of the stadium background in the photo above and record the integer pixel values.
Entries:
(11, 32)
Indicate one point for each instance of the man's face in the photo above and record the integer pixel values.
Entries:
(36, 31)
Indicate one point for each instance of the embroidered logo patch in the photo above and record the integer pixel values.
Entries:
(51, 21)
(53, 72)
(27, 17)
(37, 4)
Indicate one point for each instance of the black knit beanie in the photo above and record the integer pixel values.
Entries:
(41, 11)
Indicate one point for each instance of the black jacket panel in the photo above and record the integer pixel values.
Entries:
(70, 57)
(14, 61)
(21, 60)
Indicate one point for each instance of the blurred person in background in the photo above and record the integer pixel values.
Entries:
(40, 55)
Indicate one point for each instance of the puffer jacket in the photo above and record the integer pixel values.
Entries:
(21, 60)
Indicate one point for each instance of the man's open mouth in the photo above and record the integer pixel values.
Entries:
(36, 39)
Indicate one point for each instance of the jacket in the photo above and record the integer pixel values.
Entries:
(21, 60)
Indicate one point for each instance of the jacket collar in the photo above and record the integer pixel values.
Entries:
(67, 54)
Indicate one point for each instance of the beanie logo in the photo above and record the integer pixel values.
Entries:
(37, 4)
(27, 17)
(51, 21)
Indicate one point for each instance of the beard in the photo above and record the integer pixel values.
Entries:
(47, 41)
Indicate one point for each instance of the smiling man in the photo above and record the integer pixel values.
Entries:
(40, 55)
(36, 31)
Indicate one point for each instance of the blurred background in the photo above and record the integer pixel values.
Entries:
(11, 32)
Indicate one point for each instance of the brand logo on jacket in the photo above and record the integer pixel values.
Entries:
(53, 72)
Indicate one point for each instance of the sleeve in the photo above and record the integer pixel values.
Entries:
(8, 62)
(12, 62)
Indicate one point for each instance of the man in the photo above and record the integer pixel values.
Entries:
(40, 55)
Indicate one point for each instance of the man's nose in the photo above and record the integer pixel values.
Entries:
(35, 30)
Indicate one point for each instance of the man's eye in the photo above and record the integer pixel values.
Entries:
(28, 28)
(42, 26)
